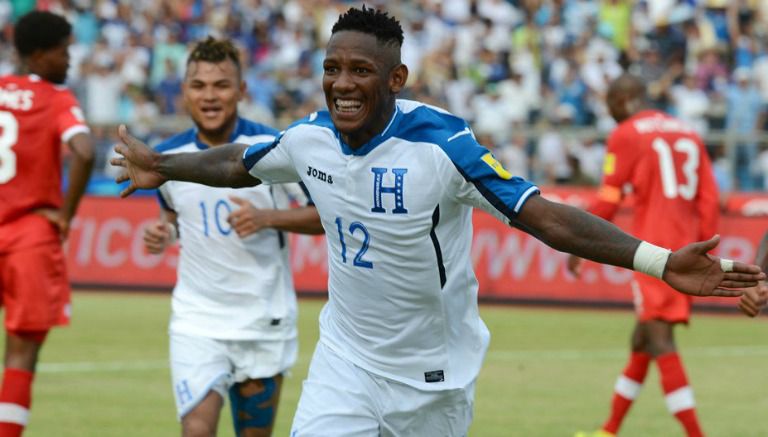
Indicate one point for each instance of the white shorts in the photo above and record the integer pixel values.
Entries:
(202, 364)
(341, 399)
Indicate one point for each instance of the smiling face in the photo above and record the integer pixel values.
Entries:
(211, 92)
(361, 80)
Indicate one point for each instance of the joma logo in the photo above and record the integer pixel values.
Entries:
(319, 174)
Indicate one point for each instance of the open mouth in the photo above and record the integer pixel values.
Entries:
(211, 112)
(347, 107)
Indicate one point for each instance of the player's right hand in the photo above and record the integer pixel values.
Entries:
(574, 265)
(157, 237)
(138, 161)
(754, 299)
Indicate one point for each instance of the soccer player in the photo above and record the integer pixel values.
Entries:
(395, 181)
(233, 319)
(37, 115)
(755, 299)
(666, 165)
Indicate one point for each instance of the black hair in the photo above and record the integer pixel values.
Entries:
(40, 30)
(386, 29)
(214, 51)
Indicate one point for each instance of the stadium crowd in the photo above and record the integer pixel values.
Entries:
(530, 75)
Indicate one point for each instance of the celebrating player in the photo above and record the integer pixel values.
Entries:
(37, 115)
(395, 181)
(233, 321)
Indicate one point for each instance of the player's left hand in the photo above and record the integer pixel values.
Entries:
(138, 161)
(691, 270)
(754, 299)
(247, 219)
(56, 217)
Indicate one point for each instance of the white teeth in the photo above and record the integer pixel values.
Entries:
(348, 104)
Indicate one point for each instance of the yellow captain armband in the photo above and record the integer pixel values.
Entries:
(609, 194)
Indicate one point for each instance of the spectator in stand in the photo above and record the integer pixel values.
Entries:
(711, 73)
(168, 91)
(743, 118)
(690, 103)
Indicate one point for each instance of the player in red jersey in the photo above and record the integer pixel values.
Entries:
(37, 115)
(676, 201)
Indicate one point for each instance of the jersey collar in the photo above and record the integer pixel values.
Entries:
(375, 141)
(232, 137)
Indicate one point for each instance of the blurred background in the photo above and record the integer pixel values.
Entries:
(528, 74)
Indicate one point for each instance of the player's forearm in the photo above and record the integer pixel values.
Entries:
(303, 220)
(220, 166)
(572, 230)
(761, 258)
(79, 174)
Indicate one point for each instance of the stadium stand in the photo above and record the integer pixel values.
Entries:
(529, 74)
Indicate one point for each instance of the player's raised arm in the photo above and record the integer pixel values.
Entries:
(689, 270)
(220, 166)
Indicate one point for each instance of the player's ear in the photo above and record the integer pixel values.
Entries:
(243, 89)
(397, 78)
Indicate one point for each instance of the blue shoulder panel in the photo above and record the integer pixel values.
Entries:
(176, 141)
(257, 151)
(251, 128)
(505, 192)
(319, 118)
(163, 202)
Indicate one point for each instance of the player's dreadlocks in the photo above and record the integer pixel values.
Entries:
(40, 30)
(214, 51)
(386, 29)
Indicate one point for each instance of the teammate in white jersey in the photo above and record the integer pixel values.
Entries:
(233, 320)
(395, 181)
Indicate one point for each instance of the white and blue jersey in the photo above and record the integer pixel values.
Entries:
(397, 213)
(230, 288)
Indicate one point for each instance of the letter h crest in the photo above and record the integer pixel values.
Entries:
(397, 189)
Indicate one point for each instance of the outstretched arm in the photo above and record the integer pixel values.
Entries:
(689, 270)
(220, 166)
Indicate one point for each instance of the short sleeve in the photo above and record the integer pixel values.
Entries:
(270, 161)
(620, 158)
(69, 118)
(481, 181)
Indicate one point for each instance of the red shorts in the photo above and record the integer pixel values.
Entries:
(34, 288)
(655, 300)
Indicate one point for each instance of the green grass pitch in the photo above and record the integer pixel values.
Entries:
(549, 372)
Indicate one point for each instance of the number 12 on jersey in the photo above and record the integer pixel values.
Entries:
(358, 261)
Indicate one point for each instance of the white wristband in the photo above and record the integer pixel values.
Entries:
(174, 233)
(650, 259)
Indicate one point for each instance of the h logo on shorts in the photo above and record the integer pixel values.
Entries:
(397, 190)
(183, 392)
